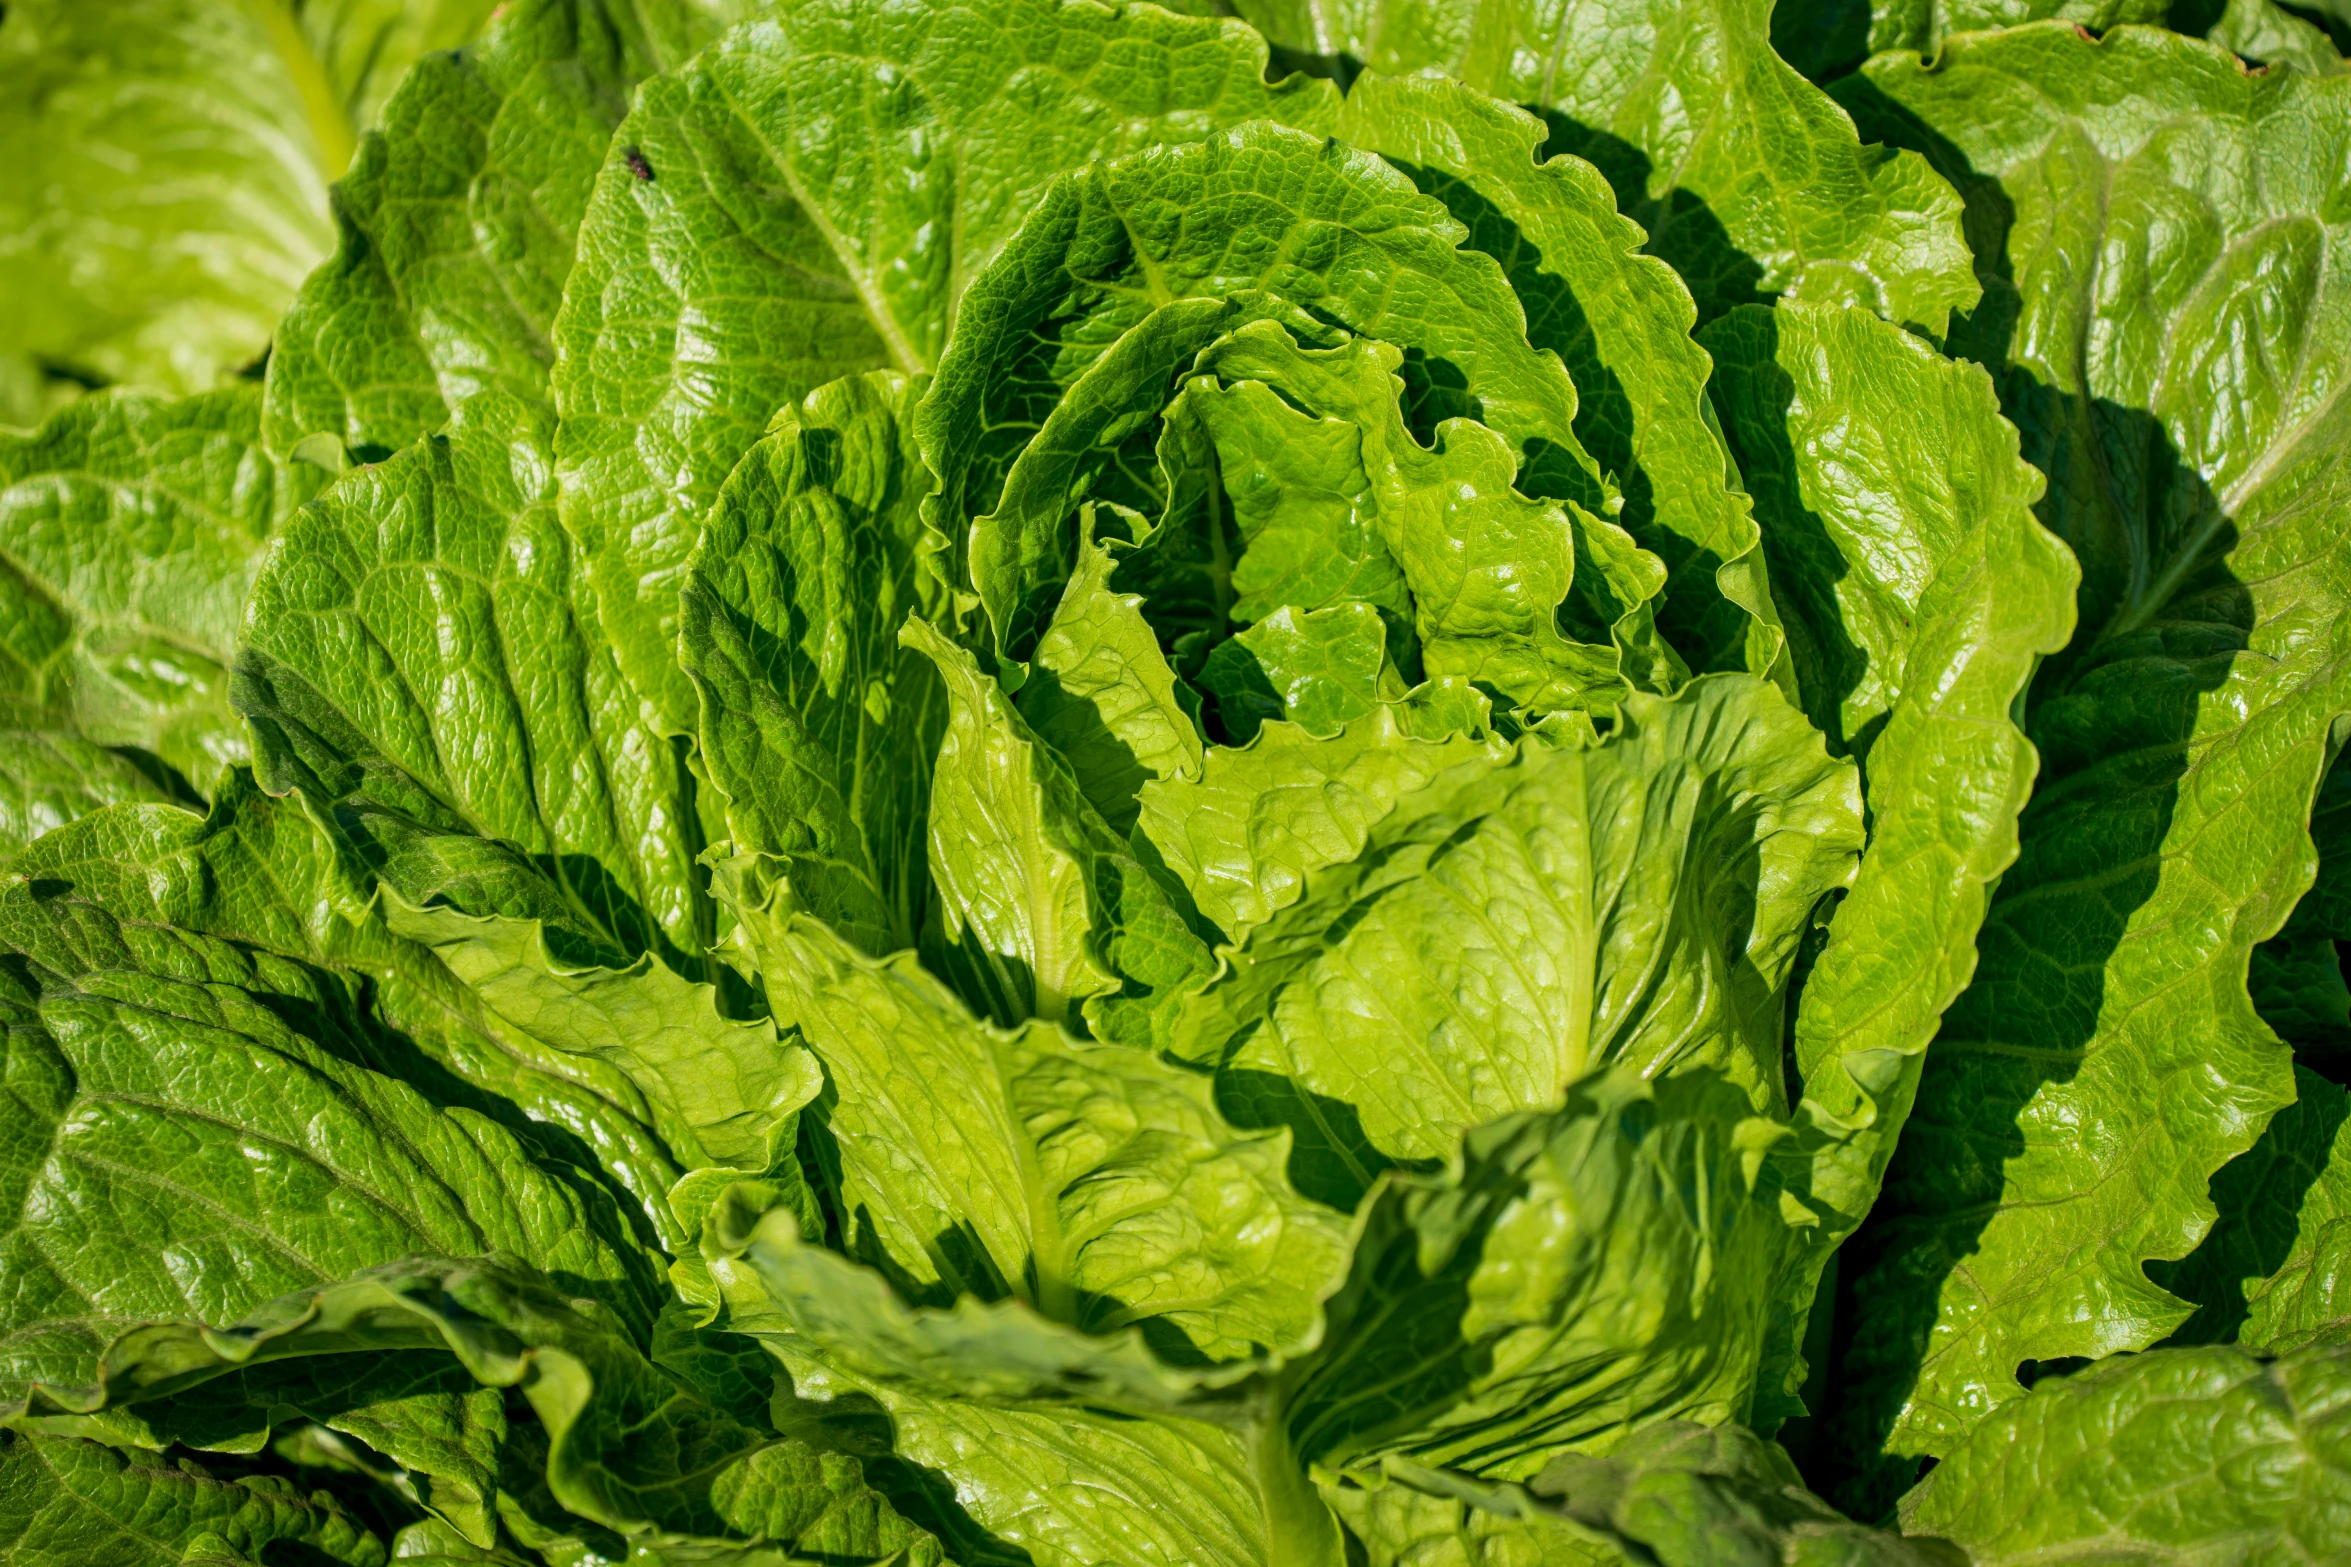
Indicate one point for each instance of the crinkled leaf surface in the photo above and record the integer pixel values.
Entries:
(1748, 179)
(67, 1503)
(1091, 1180)
(132, 527)
(2174, 354)
(1512, 929)
(1281, 226)
(818, 191)
(2273, 1274)
(2187, 1455)
(1619, 320)
(1042, 908)
(818, 727)
(418, 662)
(1613, 1254)
(1262, 817)
(207, 1097)
(1918, 594)
(455, 227)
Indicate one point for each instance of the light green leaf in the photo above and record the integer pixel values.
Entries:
(1619, 320)
(66, 1503)
(722, 1096)
(133, 527)
(2193, 1455)
(166, 185)
(1099, 692)
(2297, 977)
(1320, 669)
(207, 1096)
(1749, 180)
(1918, 595)
(820, 189)
(454, 228)
(1042, 908)
(2272, 1274)
(630, 1446)
(49, 777)
(1264, 817)
(1291, 229)
(1575, 1270)
(818, 729)
(2173, 353)
(1092, 1181)
(1513, 929)
(1487, 570)
(416, 664)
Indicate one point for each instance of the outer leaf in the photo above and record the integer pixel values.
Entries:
(1749, 180)
(630, 1446)
(1264, 817)
(723, 1097)
(2273, 1274)
(1092, 1181)
(1513, 929)
(1575, 1271)
(415, 665)
(817, 727)
(1041, 906)
(48, 778)
(1307, 232)
(1918, 595)
(205, 1096)
(2174, 355)
(2203, 1455)
(65, 1503)
(454, 228)
(166, 184)
(1620, 321)
(133, 527)
(702, 301)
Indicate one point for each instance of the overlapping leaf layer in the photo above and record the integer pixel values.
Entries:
(982, 782)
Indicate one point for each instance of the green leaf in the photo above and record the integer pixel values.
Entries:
(1320, 669)
(2179, 1455)
(188, 1070)
(818, 729)
(132, 527)
(1575, 1270)
(66, 1503)
(1918, 595)
(1514, 928)
(2271, 1273)
(1042, 908)
(820, 188)
(630, 1446)
(1264, 817)
(1099, 692)
(1572, 1265)
(454, 228)
(1685, 1495)
(416, 663)
(166, 185)
(1484, 570)
(722, 1097)
(1092, 1181)
(1619, 320)
(1290, 229)
(49, 778)
(1748, 179)
(2297, 978)
(2167, 352)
